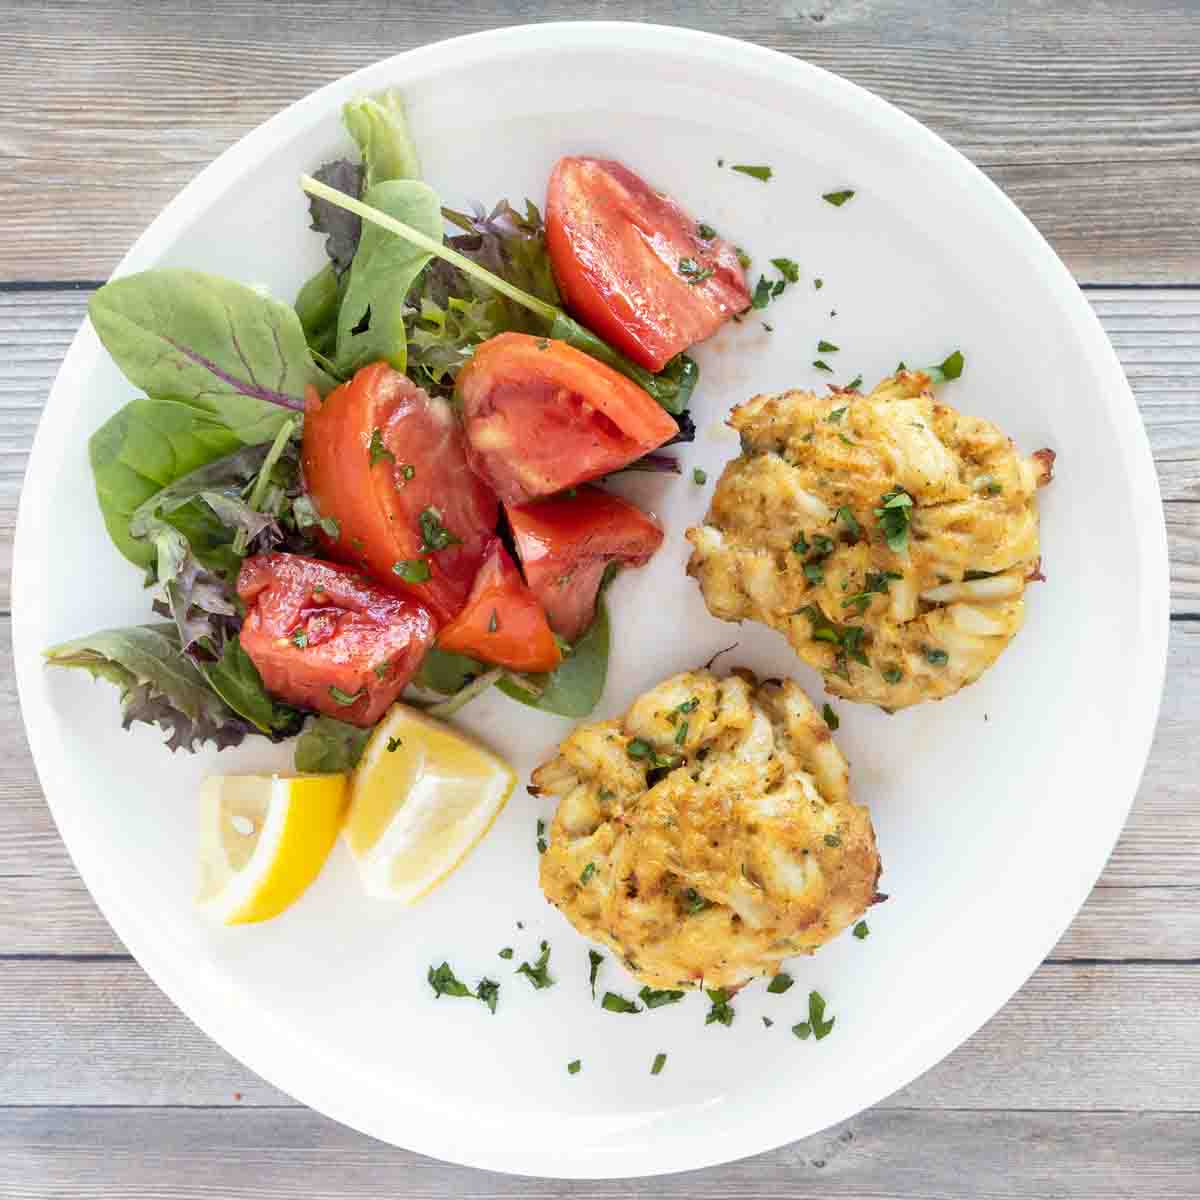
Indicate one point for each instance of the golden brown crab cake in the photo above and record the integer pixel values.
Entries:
(709, 833)
(889, 537)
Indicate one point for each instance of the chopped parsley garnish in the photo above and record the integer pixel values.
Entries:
(895, 514)
(892, 674)
(721, 1012)
(816, 1023)
(434, 535)
(382, 670)
(830, 717)
(493, 622)
(767, 1022)
(695, 902)
(800, 545)
(693, 272)
(848, 638)
(618, 1004)
(539, 974)
(507, 952)
(950, 367)
(818, 284)
(837, 199)
(780, 984)
(541, 836)
(660, 1061)
(968, 575)
(762, 293)
(640, 749)
(768, 328)
(699, 476)
(847, 518)
(762, 173)
(595, 958)
(586, 876)
(862, 930)
(822, 545)
(656, 998)
(814, 573)
(854, 384)
(876, 584)
(706, 233)
(394, 744)
(935, 657)
(824, 347)
(299, 637)
(787, 268)
(412, 570)
(681, 733)
(836, 415)
(573, 1067)
(822, 365)
(345, 699)
(900, 367)
(743, 258)
(488, 991)
(377, 450)
(407, 470)
(445, 983)
(832, 839)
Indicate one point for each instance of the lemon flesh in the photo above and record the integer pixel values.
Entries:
(422, 797)
(263, 840)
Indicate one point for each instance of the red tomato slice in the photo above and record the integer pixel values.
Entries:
(377, 454)
(502, 622)
(322, 638)
(542, 416)
(631, 264)
(566, 543)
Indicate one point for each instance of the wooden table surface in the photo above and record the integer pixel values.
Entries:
(1087, 1084)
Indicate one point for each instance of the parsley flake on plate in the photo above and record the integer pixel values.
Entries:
(660, 1061)
(837, 199)
(780, 984)
(595, 958)
(761, 173)
(538, 974)
(862, 930)
(721, 1012)
(657, 997)
(377, 450)
(618, 1004)
(412, 570)
(434, 535)
(830, 717)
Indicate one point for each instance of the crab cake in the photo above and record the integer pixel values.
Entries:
(707, 834)
(889, 537)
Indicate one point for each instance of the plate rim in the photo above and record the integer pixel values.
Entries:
(276, 1066)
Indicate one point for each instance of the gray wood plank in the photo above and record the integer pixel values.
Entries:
(1155, 332)
(897, 1154)
(1096, 135)
(1085, 1038)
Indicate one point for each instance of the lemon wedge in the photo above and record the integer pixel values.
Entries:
(421, 798)
(263, 840)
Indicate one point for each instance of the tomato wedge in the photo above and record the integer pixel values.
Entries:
(566, 543)
(389, 464)
(322, 638)
(542, 416)
(633, 266)
(502, 623)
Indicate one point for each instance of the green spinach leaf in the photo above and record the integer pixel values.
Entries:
(574, 688)
(329, 745)
(209, 342)
(139, 451)
(371, 319)
(317, 305)
(236, 680)
(159, 685)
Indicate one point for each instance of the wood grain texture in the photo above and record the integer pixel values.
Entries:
(1156, 334)
(884, 1154)
(1085, 1038)
(1084, 113)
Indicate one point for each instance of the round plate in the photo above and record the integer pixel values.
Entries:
(995, 810)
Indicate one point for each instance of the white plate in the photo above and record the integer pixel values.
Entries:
(995, 810)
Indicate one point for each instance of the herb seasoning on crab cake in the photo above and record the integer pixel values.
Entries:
(709, 833)
(889, 537)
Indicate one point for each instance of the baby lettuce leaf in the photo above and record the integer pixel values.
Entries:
(371, 319)
(446, 673)
(574, 688)
(158, 684)
(329, 745)
(209, 342)
(140, 450)
(342, 228)
(236, 680)
(317, 307)
(379, 125)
